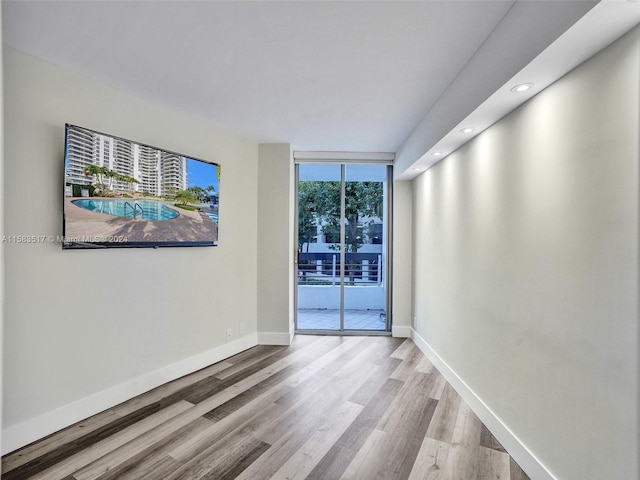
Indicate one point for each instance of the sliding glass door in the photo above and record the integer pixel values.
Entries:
(342, 261)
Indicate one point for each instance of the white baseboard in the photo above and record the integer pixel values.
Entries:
(400, 331)
(21, 434)
(275, 338)
(520, 453)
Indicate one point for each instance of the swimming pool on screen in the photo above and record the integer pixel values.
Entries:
(128, 208)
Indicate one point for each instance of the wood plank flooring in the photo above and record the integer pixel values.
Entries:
(323, 408)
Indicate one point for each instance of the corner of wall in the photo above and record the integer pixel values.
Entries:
(400, 331)
(292, 242)
(523, 457)
(402, 257)
(275, 243)
(1, 228)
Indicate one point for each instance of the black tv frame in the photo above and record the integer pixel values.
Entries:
(74, 242)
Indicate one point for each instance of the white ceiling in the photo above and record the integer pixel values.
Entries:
(320, 75)
(335, 76)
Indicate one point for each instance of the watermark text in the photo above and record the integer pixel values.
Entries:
(34, 239)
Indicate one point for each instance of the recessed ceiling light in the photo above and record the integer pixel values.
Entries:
(523, 87)
(436, 154)
(466, 130)
(417, 169)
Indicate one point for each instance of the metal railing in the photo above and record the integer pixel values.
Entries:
(360, 269)
(133, 207)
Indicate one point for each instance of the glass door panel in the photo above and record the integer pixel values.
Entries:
(319, 269)
(365, 295)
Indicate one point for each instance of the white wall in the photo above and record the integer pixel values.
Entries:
(275, 243)
(78, 323)
(526, 268)
(1, 229)
(402, 256)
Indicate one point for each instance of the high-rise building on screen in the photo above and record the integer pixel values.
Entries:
(157, 172)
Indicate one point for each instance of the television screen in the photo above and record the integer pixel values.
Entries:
(120, 193)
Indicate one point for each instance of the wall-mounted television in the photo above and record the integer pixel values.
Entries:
(121, 193)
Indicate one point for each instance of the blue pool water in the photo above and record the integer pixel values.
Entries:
(213, 216)
(145, 209)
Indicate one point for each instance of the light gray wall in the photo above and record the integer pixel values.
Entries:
(275, 243)
(79, 322)
(526, 267)
(402, 247)
(1, 229)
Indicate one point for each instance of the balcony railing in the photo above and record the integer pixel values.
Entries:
(360, 269)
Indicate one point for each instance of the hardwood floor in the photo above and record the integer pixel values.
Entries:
(322, 408)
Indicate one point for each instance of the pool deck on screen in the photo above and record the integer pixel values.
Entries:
(189, 226)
